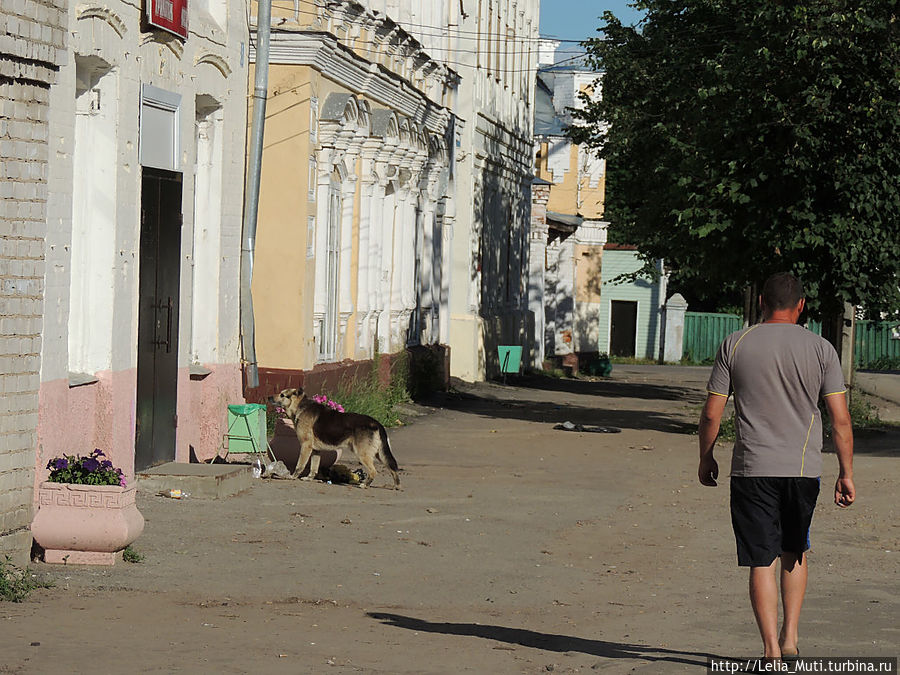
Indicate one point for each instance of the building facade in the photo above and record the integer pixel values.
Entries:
(141, 349)
(394, 200)
(498, 53)
(630, 312)
(355, 186)
(32, 49)
(569, 230)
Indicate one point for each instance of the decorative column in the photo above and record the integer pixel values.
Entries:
(399, 274)
(366, 260)
(323, 185)
(345, 278)
(537, 256)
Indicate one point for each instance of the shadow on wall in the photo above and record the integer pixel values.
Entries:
(500, 266)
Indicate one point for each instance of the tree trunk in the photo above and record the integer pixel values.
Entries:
(751, 305)
(838, 329)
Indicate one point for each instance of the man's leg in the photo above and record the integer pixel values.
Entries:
(794, 572)
(764, 600)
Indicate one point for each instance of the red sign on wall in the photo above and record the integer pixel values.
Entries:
(170, 15)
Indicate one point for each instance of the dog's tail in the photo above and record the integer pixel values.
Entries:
(387, 457)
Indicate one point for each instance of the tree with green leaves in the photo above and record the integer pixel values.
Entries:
(745, 138)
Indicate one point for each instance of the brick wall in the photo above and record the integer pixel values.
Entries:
(32, 39)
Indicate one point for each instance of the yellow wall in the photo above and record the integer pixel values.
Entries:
(282, 280)
(587, 272)
(565, 197)
(283, 276)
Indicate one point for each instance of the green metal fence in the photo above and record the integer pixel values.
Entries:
(704, 332)
(875, 347)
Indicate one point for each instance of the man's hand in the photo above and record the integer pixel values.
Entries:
(844, 492)
(842, 433)
(709, 470)
(708, 430)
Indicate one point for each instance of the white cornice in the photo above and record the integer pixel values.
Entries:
(323, 52)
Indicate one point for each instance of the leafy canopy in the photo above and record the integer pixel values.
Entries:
(744, 138)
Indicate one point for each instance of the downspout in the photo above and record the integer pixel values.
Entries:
(251, 201)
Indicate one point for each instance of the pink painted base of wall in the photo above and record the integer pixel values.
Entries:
(75, 420)
(202, 405)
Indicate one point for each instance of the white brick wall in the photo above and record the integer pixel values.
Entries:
(31, 51)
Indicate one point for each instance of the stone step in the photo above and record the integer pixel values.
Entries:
(199, 481)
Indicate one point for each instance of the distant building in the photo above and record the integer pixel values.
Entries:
(567, 243)
(581, 305)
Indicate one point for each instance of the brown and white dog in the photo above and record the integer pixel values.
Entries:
(322, 428)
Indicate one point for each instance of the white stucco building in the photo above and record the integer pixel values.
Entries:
(497, 53)
(147, 129)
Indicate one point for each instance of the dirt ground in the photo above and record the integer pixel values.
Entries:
(513, 548)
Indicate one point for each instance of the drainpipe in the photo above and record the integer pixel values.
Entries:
(251, 200)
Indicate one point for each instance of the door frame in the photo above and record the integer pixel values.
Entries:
(151, 337)
(637, 314)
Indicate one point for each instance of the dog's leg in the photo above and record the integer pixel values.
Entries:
(366, 460)
(314, 465)
(306, 448)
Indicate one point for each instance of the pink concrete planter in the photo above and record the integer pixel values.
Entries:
(286, 447)
(85, 524)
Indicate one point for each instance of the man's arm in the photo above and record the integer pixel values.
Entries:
(842, 433)
(710, 419)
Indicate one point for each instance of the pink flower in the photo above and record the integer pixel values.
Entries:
(324, 400)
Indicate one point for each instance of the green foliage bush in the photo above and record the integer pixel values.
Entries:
(371, 397)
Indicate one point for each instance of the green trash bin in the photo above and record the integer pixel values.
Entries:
(510, 358)
(246, 429)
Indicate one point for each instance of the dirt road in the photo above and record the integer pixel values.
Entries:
(513, 548)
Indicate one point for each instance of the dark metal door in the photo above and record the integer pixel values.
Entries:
(157, 368)
(623, 328)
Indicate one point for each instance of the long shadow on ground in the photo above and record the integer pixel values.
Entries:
(546, 641)
(553, 413)
(611, 389)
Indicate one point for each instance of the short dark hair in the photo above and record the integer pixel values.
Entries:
(782, 291)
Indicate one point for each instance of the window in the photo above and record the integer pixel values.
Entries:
(328, 328)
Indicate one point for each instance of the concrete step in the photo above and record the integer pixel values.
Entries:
(200, 481)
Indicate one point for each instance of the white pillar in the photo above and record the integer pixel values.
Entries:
(673, 316)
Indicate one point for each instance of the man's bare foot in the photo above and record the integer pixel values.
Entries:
(788, 647)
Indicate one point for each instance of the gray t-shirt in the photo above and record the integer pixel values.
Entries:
(778, 373)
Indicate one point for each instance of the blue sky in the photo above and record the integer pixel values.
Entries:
(579, 19)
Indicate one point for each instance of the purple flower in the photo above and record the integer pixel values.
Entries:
(106, 464)
(122, 481)
(97, 453)
(58, 464)
(90, 464)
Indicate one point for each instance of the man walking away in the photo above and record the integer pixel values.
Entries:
(778, 372)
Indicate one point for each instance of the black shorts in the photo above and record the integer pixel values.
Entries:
(771, 516)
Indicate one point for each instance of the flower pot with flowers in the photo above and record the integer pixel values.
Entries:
(286, 446)
(86, 511)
